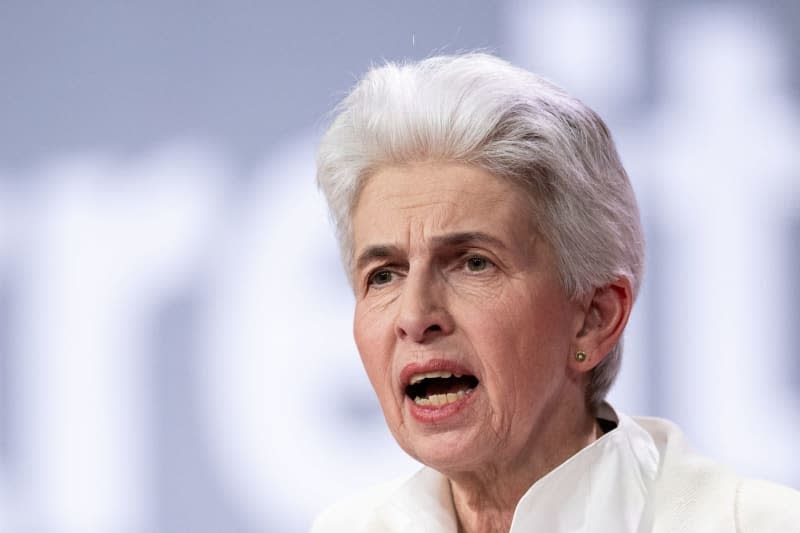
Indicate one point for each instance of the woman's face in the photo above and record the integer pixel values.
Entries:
(461, 321)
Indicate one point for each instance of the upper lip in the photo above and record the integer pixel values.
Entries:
(432, 365)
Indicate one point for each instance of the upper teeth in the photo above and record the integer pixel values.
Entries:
(416, 378)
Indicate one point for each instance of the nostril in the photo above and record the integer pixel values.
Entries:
(420, 330)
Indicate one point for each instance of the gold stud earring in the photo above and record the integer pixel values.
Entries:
(580, 357)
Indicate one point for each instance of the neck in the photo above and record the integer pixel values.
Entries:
(485, 500)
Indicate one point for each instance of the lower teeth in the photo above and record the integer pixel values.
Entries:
(440, 399)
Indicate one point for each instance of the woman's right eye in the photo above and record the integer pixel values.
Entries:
(380, 277)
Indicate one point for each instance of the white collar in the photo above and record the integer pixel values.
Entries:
(603, 487)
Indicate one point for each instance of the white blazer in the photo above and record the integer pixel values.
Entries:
(639, 478)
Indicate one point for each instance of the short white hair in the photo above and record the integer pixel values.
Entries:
(480, 110)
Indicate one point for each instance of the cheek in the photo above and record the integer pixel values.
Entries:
(503, 318)
(521, 337)
(374, 349)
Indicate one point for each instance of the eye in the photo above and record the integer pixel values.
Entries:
(477, 263)
(380, 277)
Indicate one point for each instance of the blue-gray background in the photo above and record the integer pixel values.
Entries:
(175, 348)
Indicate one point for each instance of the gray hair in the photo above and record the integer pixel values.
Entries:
(480, 110)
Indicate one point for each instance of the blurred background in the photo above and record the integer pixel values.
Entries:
(175, 346)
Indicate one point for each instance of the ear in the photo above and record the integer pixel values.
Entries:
(605, 314)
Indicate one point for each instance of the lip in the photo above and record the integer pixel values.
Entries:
(430, 414)
(433, 365)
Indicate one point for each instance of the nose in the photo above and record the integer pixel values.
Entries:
(423, 314)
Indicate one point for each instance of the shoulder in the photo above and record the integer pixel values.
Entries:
(765, 507)
(694, 493)
(354, 513)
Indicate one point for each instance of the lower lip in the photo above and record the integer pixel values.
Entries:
(431, 414)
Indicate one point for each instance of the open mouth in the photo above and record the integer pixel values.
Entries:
(439, 388)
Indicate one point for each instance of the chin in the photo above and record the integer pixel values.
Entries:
(445, 450)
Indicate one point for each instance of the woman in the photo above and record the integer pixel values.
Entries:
(494, 247)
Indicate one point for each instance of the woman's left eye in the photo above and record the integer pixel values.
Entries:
(477, 263)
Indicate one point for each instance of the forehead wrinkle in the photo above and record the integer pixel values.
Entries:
(424, 231)
(429, 207)
(417, 201)
(439, 226)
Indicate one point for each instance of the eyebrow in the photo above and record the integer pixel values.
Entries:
(371, 253)
(467, 237)
(450, 240)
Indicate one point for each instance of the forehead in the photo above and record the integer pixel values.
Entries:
(411, 204)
